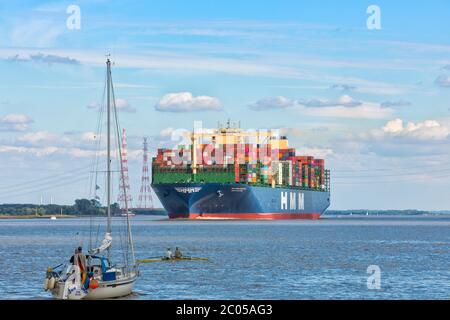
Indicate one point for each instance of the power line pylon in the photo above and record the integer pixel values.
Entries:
(124, 183)
(145, 195)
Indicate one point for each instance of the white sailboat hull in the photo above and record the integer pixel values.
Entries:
(111, 291)
(106, 290)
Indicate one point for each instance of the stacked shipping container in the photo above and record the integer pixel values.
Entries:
(242, 163)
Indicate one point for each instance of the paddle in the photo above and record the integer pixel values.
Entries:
(150, 260)
(192, 258)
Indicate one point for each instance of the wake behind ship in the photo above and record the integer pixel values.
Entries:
(239, 175)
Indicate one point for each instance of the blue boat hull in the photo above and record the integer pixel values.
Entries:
(240, 201)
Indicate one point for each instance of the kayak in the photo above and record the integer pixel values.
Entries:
(163, 259)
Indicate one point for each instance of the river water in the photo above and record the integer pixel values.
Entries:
(324, 259)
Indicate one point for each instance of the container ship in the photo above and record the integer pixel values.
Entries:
(239, 174)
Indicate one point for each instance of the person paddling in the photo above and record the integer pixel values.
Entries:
(169, 254)
(178, 254)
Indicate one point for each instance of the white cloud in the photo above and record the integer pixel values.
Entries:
(291, 132)
(316, 152)
(44, 58)
(42, 151)
(393, 126)
(186, 102)
(62, 141)
(40, 136)
(398, 138)
(89, 136)
(71, 144)
(35, 151)
(124, 106)
(425, 130)
(16, 118)
(344, 100)
(346, 107)
(281, 102)
(172, 137)
(368, 86)
(365, 111)
(443, 81)
(167, 132)
(79, 153)
(343, 107)
(273, 103)
(15, 122)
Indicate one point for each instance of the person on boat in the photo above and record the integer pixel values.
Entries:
(178, 254)
(72, 258)
(80, 259)
(169, 254)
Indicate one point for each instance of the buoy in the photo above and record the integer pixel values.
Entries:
(51, 283)
(93, 284)
(46, 284)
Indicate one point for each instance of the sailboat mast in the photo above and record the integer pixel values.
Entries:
(130, 238)
(108, 170)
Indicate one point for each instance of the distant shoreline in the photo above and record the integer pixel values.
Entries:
(33, 216)
(64, 216)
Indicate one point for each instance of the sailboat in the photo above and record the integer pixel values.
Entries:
(102, 279)
(129, 214)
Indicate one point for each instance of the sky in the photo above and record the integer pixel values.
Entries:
(373, 100)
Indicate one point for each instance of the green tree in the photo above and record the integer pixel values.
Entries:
(83, 206)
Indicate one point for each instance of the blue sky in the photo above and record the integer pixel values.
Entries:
(373, 103)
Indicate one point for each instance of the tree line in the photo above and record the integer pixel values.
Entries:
(80, 207)
(377, 212)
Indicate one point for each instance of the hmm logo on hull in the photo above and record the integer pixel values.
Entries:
(293, 201)
(188, 189)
